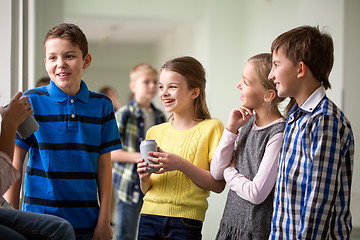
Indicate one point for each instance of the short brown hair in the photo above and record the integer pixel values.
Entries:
(69, 32)
(311, 46)
(194, 73)
(140, 69)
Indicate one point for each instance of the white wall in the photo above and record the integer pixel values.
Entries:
(5, 49)
(351, 94)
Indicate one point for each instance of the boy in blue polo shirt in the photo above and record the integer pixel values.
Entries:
(69, 156)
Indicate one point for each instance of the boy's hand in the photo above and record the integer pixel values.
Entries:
(103, 231)
(238, 117)
(17, 110)
(165, 161)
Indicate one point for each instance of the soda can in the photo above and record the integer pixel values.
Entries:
(147, 146)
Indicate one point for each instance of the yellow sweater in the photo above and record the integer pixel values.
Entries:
(173, 194)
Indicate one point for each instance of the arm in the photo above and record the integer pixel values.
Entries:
(104, 178)
(123, 156)
(257, 190)
(223, 154)
(171, 162)
(328, 183)
(12, 116)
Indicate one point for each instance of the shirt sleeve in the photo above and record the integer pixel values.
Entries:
(223, 154)
(8, 174)
(257, 190)
(328, 182)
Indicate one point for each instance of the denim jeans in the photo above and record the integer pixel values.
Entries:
(15, 224)
(127, 219)
(153, 227)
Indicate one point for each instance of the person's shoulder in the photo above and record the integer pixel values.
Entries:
(213, 123)
(99, 96)
(331, 112)
(39, 91)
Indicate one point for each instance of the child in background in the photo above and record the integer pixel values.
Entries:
(69, 156)
(312, 193)
(133, 121)
(248, 153)
(15, 224)
(175, 196)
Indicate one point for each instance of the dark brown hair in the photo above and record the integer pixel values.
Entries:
(311, 46)
(69, 32)
(194, 73)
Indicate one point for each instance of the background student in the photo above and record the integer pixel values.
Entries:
(248, 154)
(175, 196)
(312, 194)
(133, 121)
(69, 156)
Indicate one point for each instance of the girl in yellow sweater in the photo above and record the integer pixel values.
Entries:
(175, 196)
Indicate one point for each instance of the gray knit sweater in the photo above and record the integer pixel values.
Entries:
(242, 219)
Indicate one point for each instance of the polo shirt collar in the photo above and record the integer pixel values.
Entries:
(57, 94)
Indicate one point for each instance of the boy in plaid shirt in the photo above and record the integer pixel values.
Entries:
(133, 121)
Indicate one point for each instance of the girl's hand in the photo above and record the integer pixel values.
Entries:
(142, 170)
(238, 117)
(166, 161)
(17, 110)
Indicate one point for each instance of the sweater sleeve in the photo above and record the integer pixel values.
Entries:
(223, 154)
(257, 190)
(8, 174)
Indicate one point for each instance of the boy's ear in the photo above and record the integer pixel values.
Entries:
(302, 68)
(132, 86)
(269, 95)
(87, 61)
(195, 93)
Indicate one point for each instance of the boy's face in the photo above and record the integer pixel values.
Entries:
(64, 63)
(144, 87)
(284, 74)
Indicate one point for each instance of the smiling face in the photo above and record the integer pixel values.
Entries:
(284, 74)
(64, 63)
(175, 93)
(252, 92)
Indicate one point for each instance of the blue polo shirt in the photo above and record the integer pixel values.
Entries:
(61, 173)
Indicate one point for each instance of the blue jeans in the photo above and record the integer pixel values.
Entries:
(153, 227)
(15, 224)
(127, 219)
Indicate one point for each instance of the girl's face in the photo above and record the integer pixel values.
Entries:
(252, 92)
(175, 93)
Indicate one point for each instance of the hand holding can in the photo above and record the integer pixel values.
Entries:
(147, 146)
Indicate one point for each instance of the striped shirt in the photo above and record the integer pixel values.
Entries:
(312, 193)
(61, 173)
(131, 123)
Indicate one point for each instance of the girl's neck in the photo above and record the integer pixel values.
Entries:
(264, 117)
(184, 122)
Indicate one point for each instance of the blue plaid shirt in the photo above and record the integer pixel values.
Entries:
(312, 193)
(131, 125)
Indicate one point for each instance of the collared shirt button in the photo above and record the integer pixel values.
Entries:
(72, 115)
(136, 187)
(141, 139)
(72, 100)
(142, 124)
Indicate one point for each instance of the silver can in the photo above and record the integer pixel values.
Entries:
(147, 146)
